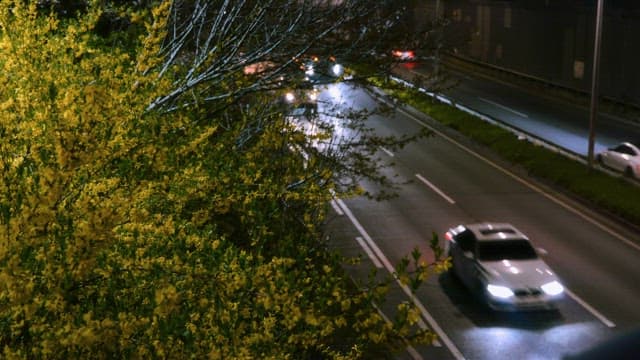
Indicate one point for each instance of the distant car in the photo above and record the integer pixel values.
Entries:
(623, 157)
(321, 69)
(497, 262)
(258, 68)
(303, 100)
(404, 55)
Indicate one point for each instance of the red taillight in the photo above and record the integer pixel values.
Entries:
(404, 54)
(448, 236)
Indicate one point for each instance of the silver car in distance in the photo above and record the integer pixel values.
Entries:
(623, 157)
(498, 263)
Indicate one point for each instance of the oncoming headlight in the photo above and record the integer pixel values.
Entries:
(501, 292)
(337, 70)
(552, 288)
(309, 70)
(290, 97)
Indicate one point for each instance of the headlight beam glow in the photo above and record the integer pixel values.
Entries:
(553, 288)
(501, 292)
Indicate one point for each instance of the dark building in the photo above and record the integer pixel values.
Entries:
(551, 40)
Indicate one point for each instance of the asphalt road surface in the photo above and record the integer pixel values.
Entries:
(557, 122)
(450, 181)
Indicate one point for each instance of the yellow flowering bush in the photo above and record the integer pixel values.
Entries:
(128, 233)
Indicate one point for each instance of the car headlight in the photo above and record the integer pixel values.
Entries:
(290, 97)
(498, 291)
(552, 288)
(309, 70)
(337, 70)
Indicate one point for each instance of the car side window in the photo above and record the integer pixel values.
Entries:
(624, 149)
(465, 240)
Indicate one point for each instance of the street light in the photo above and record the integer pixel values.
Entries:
(594, 82)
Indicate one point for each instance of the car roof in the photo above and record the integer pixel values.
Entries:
(495, 231)
(635, 144)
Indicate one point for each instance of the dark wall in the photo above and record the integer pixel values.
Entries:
(552, 40)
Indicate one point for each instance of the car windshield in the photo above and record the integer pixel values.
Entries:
(505, 250)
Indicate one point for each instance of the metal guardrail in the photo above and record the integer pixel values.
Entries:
(539, 80)
(521, 134)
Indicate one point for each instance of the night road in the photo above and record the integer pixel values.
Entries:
(559, 123)
(451, 181)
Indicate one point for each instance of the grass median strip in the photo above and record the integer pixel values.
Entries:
(611, 193)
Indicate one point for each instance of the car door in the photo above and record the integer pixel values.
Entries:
(471, 268)
(456, 253)
(633, 160)
(464, 258)
(620, 156)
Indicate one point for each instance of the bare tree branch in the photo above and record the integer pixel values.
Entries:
(215, 40)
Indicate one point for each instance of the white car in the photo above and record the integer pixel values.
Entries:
(497, 262)
(623, 157)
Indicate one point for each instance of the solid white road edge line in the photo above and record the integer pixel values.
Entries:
(503, 107)
(385, 261)
(434, 188)
(427, 316)
(535, 188)
(367, 249)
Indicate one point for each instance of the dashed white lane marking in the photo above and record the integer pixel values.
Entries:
(387, 151)
(554, 199)
(370, 253)
(435, 189)
(504, 107)
(423, 311)
(336, 208)
(590, 309)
